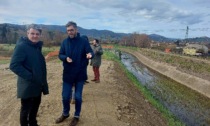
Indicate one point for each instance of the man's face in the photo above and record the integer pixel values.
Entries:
(72, 32)
(94, 42)
(33, 35)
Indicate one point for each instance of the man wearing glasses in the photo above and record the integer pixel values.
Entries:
(74, 52)
(29, 65)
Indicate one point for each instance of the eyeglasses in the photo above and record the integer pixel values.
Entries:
(70, 30)
(37, 34)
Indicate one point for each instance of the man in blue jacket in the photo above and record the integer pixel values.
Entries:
(29, 65)
(74, 52)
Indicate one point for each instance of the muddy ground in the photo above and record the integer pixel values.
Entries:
(115, 101)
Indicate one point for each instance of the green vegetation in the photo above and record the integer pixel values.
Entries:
(7, 47)
(183, 62)
(116, 46)
(172, 120)
(6, 50)
(4, 61)
(46, 50)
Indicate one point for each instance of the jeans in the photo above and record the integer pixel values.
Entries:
(66, 95)
(28, 112)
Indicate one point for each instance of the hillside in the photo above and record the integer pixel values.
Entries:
(10, 32)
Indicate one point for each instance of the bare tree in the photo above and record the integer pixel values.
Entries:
(136, 40)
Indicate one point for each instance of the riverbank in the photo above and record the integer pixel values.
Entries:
(198, 84)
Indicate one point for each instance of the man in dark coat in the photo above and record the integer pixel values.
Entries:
(29, 65)
(74, 52)
(96, 61)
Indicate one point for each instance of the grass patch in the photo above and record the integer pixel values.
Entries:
(6, 50)
(185, 63)
(5, 61)
(46, 50)
(108, 55)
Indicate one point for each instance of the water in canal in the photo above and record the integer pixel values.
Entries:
(189, 106)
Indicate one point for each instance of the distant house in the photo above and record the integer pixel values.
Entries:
(154, 44)
(195, 49)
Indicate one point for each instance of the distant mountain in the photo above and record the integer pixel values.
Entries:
(54, 27)
(199, 39)
(18, 30)
(159, 38)
(102, 34)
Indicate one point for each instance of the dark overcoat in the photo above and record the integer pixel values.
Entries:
(29, 65)
(98, 51)
(76, 49)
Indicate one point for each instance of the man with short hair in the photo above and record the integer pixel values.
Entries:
(29, 65)
(74, 52)
(96, 61)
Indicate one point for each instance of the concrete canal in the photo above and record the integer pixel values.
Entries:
(189, 106)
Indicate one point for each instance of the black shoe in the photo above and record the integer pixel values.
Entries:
(33, 125)
(61, 119)
(74, 121)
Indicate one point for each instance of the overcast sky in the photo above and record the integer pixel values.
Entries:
(169, 18)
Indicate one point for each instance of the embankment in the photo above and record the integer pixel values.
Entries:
(198, 84)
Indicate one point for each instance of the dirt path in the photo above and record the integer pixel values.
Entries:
(113, 102)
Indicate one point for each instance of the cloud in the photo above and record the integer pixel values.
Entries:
(116, 15)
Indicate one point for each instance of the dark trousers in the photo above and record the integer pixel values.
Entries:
(28, 112)
(66, 95)
(96, 72)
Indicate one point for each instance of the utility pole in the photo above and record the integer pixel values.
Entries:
(186, 35)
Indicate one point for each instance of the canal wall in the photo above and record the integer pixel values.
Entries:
(198, 84)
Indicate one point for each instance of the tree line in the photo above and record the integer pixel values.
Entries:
(9, 34)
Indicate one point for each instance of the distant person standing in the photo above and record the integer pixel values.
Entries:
(96, 61)
(74, 52)
(29, 65)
